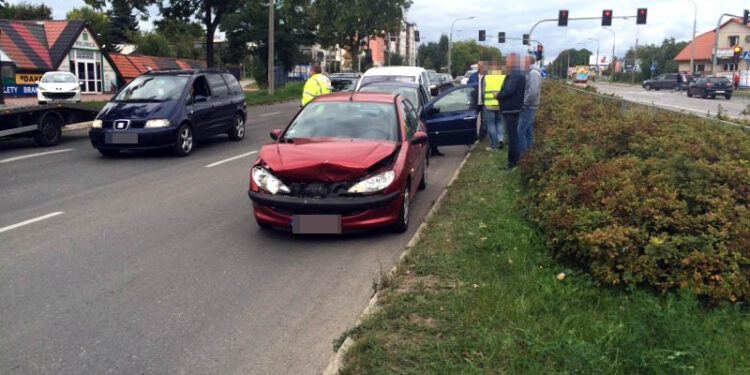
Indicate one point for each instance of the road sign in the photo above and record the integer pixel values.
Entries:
(653, 68)
(746, 55)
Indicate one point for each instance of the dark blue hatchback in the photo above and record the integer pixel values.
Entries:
(171, 109)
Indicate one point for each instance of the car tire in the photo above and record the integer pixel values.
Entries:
(689, 94)
(728, 96)
(647, 87)
(402, 222)
(713, 96)
(184, 142)
(423, 181)
(704, 95)
(42, 103)
(237, 131)
(50, 130)
(657, 89)
(108, 153)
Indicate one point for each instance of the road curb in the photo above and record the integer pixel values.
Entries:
(337, 359)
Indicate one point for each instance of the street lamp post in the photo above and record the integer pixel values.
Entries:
(450, 41)
(612, 61)
(597, 56)
(692, 45)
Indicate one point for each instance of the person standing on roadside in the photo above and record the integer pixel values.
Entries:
(477, 78)
(511, 102)
(316, 85)
(530, 105)
(736, 81)
(493, 82)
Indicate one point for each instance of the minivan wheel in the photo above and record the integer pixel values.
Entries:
(647, 87)
(237, 131)
(402, 223)
(184, 143)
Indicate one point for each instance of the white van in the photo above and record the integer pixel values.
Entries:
(412, 74)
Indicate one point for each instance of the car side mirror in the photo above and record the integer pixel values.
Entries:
(419, 138)
(275, 134)
(200, 98)
(81, 83)
(432, 110)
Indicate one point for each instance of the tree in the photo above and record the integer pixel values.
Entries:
(394, 59)
(98, 23)
(25, 11)
(662, 55)
(560, 65)
(467, 53)
(124, 16)
(209, 12)
(351, 23)
(182, 36)
(249, 25)
(434, 55)
(154, 44)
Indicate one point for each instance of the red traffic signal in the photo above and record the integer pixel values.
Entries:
(607, 17)
(562, 18)
(641, 18)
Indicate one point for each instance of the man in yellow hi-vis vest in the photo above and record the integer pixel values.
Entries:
(316, 85)
(493, 82)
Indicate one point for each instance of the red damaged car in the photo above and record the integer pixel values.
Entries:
(347, 161)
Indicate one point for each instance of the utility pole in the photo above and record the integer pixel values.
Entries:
(635, 61)
(692, 45)
(271, 70)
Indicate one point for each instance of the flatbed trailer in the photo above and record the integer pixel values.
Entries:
(42, 122)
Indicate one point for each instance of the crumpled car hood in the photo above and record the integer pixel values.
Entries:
(326, 159)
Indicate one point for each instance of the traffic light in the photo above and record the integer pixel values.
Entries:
(562, 18)
(641, 19)
(539, 52)
(737, 53)
(416, 35)
(525, 39)
(607, 17)
(501, 37)
(746, 17)
(482, 35)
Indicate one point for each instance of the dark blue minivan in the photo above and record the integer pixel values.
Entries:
(171, 109)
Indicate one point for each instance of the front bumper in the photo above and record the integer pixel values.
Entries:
(356, 212)
(58, 97)
(147, 139)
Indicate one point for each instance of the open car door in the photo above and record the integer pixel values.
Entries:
(451, 117)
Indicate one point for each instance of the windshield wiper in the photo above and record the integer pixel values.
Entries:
(140, 100)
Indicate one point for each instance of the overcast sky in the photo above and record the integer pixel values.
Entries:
(666, 18)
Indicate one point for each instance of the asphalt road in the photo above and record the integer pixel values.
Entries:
(677, 100)
(152, 264)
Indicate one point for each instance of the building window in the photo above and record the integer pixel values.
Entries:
(86, 37)
(730, 67)
(86, 55)
(734, 40)
(700, 68)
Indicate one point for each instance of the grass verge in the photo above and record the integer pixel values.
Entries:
(291, 91)
(480, 294)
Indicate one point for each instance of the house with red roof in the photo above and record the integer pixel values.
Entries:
(28, 49)
(731, 33)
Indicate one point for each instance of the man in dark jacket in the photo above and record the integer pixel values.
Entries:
(511, 98)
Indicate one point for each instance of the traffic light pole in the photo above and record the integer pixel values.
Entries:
(531, 32)
(716, 39)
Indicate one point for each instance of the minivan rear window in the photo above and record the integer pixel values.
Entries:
(234, 86)
(371, 79)
(217, 85)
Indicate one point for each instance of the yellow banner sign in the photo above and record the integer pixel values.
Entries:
(27, 78)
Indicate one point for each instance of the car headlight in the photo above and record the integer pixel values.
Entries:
(268, 182)
(157, 123)
(374, 184)
(97, 124)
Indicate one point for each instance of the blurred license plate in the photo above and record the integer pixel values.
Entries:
(121, 138)
(719, 91)
(316, 224)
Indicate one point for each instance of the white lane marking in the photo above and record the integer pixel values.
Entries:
(230, 159)
(30, 221)
(269, 114)
(8, 160)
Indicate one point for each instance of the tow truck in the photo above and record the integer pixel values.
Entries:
(42, 122)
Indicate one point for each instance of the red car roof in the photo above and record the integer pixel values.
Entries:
(379, 97)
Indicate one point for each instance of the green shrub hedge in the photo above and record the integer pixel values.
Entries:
(646, 198)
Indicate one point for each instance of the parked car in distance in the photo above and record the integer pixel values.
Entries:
(465, 78)
(662, 81)
(344, 81)
(56, 87)
(347, 161)
(395, 74)
(435, 83)
(171, 109)
(446, 81)
(709, 86)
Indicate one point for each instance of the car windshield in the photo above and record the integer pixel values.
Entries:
(343, 84)
(371, 79)
(59, 78)
(357, 120)
(410, 93)
(153, 89)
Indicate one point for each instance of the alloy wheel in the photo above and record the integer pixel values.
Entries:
(186, 139)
